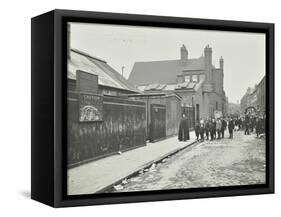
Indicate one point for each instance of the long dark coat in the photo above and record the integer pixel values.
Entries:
(230, 126)
(213, 127)
(197, 130)
(207, 127)
(223, 125)
(202, 131)
(259, 124)
(183, 134)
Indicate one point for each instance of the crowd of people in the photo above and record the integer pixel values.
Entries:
(214, 128)
(251, 124)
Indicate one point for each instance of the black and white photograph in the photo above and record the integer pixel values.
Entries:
(157, 108)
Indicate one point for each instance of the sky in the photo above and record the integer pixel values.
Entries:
(121, 45)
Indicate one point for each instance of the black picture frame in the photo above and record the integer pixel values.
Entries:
(48, 75)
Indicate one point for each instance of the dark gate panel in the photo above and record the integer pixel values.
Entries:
(157, 122)
(190, 114)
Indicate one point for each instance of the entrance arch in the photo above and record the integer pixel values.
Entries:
(251, 110)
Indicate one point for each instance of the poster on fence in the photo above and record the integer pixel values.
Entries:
(90, 108)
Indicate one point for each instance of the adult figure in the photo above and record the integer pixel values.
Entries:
(236, 123)
(247, 125)
(263, 125)
(218, 128)
(253, 123)
(202, 130)
(239, 123)
(197, 130)
(213, 129)
(230, 128)
(223, 127)
(207, 128)
(183, 134)
(258, 126)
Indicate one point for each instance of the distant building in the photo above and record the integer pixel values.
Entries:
(234, 109)
(255, 97)
(197, 81)
(262, 95)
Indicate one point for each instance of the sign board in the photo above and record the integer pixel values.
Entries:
(86, 82)
(217, 114)
(90, 108)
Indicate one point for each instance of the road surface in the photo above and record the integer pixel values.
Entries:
(225, 162)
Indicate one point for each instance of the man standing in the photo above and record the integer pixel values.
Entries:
(218, 128)
(230, 128)
(207, 128)
(202, 130)
(240, 123)
(236, 124)
(213, 129)
(247, 123)
(258, 126)
(197, 130)
(223, 127)
(252, 123)
(183, 129)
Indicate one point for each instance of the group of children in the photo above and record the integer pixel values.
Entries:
(213, 128)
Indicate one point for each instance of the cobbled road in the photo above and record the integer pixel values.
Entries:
(225, 162)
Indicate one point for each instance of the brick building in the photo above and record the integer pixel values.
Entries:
(255, 97)
(197, 81)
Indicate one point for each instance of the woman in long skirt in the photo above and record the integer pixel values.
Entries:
(183, 134)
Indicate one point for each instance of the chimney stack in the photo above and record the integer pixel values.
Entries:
(221, 63)
(208, 62)
(184, 54)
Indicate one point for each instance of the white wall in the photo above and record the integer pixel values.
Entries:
(15, 106)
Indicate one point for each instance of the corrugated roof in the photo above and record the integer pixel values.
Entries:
(107, 75)
(162, 71)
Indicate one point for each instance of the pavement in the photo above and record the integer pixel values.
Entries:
(224, 162)
(99, 175)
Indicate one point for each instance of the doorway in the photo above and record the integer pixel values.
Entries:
(197, 112)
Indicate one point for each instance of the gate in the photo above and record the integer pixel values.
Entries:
(190, 114)
(157, 122)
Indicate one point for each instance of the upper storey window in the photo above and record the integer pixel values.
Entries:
(187, 78)
(194, 78)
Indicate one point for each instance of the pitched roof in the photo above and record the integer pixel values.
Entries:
(106, 74)
(162, 71)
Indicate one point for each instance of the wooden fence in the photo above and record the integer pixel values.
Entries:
(123, 127)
